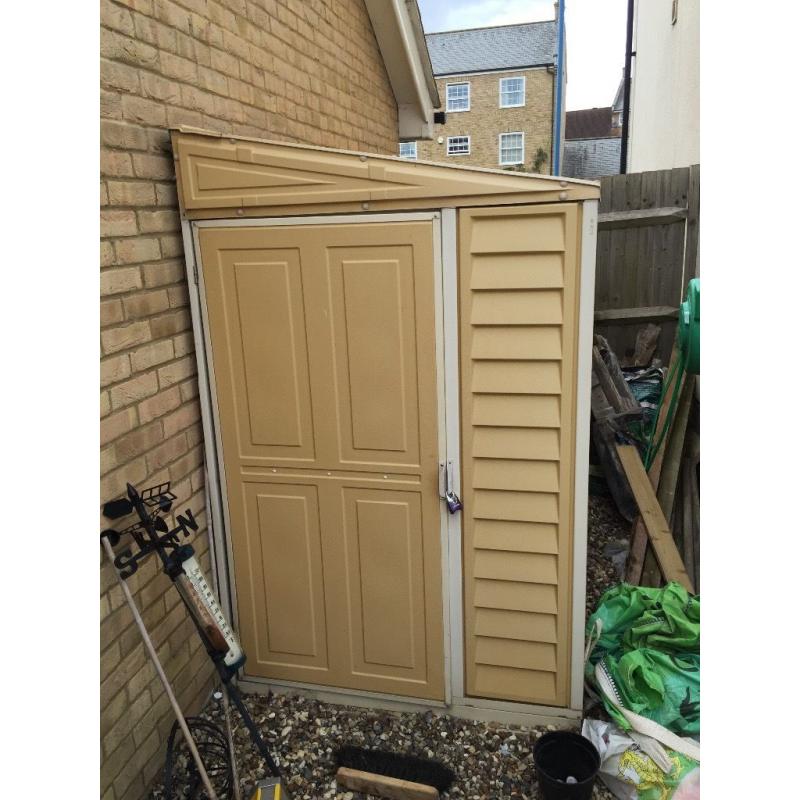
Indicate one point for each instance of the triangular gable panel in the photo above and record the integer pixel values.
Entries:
(229, 173)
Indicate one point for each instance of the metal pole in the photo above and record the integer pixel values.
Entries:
(137, 617)
(237, 792)
(559, 76)
(626, 91)
(233, 694)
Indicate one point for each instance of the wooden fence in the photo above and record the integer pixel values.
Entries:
(647, 251)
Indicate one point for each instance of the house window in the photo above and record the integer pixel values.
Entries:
(458, 97)
(408, 150)
(458, 145)
(512, 148)
(512, 92)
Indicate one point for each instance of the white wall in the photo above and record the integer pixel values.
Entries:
(665, 92)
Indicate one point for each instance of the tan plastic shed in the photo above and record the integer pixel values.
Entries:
(371, 333)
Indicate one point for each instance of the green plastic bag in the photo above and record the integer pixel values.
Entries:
(650, 648)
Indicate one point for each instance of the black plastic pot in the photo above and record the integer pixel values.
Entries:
(563, 754)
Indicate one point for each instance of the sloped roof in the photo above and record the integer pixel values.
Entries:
(588, 123)
(500, 47)
(618, 97)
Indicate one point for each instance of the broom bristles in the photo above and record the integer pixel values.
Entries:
(394, 765)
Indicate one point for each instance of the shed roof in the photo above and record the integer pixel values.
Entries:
(497, 48)
(220, 175)
(588, 123)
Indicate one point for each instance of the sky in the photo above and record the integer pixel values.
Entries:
(595, 37)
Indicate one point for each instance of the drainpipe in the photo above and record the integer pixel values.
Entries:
(559, 89)
(626, 91)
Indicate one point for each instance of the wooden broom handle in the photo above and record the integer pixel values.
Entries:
(137, 617)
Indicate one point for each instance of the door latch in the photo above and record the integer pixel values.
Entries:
(446, 491)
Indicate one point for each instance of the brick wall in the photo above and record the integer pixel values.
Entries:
(486, 120)
(296, 70)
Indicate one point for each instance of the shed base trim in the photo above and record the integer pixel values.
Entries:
(462, 707)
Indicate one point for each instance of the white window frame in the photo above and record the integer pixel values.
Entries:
(500, 148)
(500, 89)
(447, 96)
(400, 151)
(460, 152)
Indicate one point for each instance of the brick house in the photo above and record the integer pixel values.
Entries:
(497, 87)
(593, 144)
(336, 73)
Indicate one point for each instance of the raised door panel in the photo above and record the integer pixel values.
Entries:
(378, 328)
(257, 312)
(279, 580)
(391, 582)
(375, 349)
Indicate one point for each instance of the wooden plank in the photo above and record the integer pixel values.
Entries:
(677, 191)
(602, 435)
(604, 378)
(608, 364)
(650, 189)
(634, 315)
(646, 343)
(693, 449)
(383, 786)
(638, 551)
(673, 447)
(686, 507)
(658, 531)
(604, 442)
(678, 188)
(670, 452)
(630, 266)
(616, 273)
(640, 218)
(692, 255)
(606, 185)
(603, 259)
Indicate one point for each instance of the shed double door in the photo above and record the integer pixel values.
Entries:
(324, 365)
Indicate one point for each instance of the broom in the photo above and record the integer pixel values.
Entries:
(390, 775)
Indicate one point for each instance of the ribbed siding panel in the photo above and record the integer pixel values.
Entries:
(518, 275)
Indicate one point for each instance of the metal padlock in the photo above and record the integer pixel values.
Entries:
(453, 501)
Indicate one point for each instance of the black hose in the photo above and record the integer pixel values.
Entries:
(212, 744)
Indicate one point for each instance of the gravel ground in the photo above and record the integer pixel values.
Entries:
(606, 527)
(490, 761)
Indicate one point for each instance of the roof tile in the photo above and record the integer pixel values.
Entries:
(588, 123)
(501, 47)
